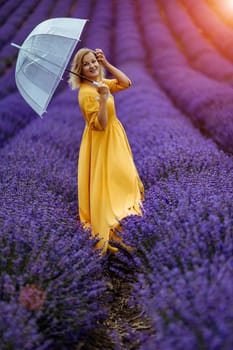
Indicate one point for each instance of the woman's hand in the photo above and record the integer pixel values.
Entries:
(117, 73)
(100, 57)
(103, 90)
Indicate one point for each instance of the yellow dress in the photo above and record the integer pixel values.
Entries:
(109, 187)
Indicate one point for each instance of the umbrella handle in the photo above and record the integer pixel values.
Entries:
(83, 77)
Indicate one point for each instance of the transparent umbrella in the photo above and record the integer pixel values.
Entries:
(43, 58)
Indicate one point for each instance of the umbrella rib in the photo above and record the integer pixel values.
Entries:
(55, 64)
(37, 56)
(25, 92)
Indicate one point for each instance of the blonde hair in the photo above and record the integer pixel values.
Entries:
(76, 67)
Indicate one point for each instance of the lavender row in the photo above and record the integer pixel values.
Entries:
(6, 9)
(163, 140)
(98, 29)
(219, 33)
(186, 230)
(187, 224)
(45, 254)
(61, 9)
(200, 54)
(18, 34)
(128, 46)
(39, 216)
(184, 258)
(156, 114)
(14, 115)
(207, 102)
(15, 20)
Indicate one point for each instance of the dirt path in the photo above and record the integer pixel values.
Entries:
(128, 322)
(126, 326)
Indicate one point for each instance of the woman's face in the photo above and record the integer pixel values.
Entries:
(90, 66)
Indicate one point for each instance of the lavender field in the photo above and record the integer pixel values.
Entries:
(175, 291)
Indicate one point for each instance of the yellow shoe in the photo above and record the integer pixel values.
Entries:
(127, 247)
(119, 240)
(112, 249)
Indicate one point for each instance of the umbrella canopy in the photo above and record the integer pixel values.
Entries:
(43, 58)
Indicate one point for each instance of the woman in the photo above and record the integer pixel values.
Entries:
(109, 187)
